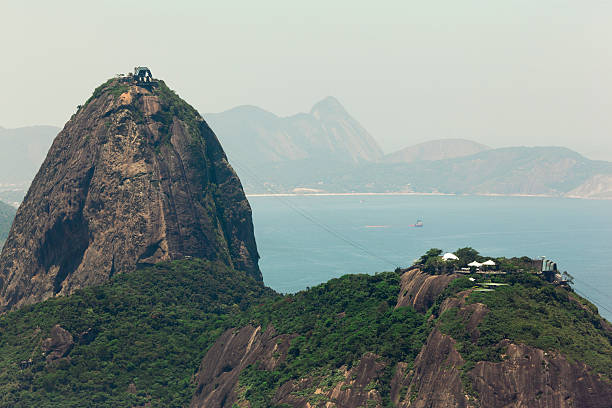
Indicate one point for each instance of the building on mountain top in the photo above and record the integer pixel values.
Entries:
(549, 270)
(143, 75)
(450, 257)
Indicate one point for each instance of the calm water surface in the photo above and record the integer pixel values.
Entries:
(299, 244)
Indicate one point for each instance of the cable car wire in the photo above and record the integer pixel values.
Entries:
(311, 218)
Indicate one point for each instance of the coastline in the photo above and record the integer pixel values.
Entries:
(364, 194)
(346, 194)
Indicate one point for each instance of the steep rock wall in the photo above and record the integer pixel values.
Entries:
(135, 177)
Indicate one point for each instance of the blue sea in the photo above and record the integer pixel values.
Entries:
(307, 240)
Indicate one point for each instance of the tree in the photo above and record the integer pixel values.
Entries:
(467, 255)
(432, 253)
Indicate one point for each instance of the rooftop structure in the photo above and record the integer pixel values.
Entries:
(450, 257)
(142, 75)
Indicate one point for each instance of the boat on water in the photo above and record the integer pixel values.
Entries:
(418, 224)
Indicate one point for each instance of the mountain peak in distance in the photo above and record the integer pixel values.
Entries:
(436, 150)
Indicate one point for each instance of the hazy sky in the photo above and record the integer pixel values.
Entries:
(501, 73)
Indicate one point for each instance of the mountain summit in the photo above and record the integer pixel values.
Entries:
(327, 133)
(135, 177)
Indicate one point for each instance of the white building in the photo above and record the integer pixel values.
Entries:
(450, 257)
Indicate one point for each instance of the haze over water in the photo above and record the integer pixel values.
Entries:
(297, 253)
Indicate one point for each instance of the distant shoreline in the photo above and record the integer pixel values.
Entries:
(423, 194)
(347, 194)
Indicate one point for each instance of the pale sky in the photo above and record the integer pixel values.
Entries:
(500, 73)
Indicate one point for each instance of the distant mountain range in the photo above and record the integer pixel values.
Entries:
(436, 150)
(554, 171)
(22, 151)
(327, 150)
(254, 136)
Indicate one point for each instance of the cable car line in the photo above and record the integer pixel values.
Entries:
(358, 246)
(312, 219)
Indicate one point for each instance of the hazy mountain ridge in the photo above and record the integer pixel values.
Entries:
(253, 136)
(554, 171)
(22, 150)
(285, 155)
(513, 170)
(435, 150)
(326, 150)
(7, 213)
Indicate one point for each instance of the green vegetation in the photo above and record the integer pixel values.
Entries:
(118, 89)
(432, 263)
(99, 91)
(140, 338)
(175, 107)
(114, 86)
(336, 323)
(152, 327)
(531, 311)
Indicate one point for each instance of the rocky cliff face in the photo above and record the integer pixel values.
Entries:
(232, 353)
(135, 177)
(439, 376)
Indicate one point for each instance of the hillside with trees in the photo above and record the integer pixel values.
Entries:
(145, 338)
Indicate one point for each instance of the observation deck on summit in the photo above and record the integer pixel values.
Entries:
(143, 76)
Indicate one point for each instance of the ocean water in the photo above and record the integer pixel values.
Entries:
(307, 240)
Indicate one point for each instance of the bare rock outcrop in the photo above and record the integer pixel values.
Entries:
(527, 376)
(435, 381)
(531, 378)
(420, 290)
(235, 350)
(355, 389)
(439, 377)
(58, 344)
(135, 177)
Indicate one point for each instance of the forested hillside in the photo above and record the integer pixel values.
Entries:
(196, 332)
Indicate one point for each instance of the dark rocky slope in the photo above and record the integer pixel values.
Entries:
(134, 178)
(328, 132)
(465, 360)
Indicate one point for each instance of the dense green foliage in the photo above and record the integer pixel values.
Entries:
(149, 330)
(432, 263)
(152, 328)
(336, 323)
(7, 213)
(535, 313)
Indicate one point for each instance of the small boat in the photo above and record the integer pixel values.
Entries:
(418, 224)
